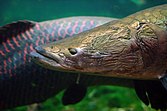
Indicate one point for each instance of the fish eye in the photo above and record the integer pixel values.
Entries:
(72, 51)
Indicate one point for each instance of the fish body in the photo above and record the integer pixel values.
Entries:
(21, 80)
(134, 47)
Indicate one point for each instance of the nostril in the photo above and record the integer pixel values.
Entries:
(61, 55)
(73, 51)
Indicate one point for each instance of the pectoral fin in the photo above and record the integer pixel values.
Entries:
(164, 81)
(141, 92)
(74, 94)
(153, 92)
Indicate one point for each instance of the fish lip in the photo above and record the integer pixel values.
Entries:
(48, 55)
(45, 61)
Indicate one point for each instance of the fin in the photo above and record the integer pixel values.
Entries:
(164, 81)
(14, 29)
(141, 92)
(153, 92)
(74, 94)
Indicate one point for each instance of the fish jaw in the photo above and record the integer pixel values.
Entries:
(42, 58)
(43, 61)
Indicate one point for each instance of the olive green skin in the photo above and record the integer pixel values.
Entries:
(134, 47)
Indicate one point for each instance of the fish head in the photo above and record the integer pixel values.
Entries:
(71, 54)
(99, 50)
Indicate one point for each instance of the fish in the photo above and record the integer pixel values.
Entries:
(134, 47)
(22, 82)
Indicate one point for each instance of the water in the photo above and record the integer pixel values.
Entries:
(104, 98)
(40, 10)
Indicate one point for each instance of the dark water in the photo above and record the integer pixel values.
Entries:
(104, 98)
(40, 10)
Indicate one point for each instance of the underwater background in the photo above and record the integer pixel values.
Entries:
(99, 98)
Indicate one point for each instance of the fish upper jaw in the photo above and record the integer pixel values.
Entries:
(48, 54)
(47, 59)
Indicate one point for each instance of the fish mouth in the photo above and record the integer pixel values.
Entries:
(46, 58)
